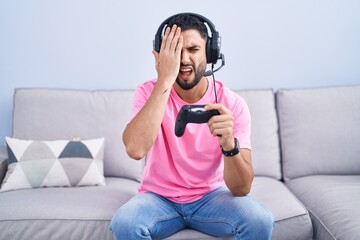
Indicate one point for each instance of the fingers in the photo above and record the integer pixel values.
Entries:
(164, 39)
(219, 107)
(221, 124)
(167, 60)
(179, 45)
(171, 39)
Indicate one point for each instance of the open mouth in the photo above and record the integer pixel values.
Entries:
(185, 71)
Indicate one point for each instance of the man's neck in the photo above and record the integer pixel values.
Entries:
(195, 94)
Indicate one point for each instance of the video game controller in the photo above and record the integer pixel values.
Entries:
(192, 114)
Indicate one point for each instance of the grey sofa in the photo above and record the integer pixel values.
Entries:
(306, 156)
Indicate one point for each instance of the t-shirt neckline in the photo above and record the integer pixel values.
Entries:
(207, 98)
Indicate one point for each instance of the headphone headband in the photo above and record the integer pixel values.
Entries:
(212, 46)
(201, 18)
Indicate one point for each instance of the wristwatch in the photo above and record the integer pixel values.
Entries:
(233, 152)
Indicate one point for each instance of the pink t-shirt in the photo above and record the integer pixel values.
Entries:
(183, 169)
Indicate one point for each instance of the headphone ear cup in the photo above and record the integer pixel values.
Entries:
(215, 47)
(208, 50)
(157, 43)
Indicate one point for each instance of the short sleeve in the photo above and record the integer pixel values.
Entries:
(141, 95)
(242, 124)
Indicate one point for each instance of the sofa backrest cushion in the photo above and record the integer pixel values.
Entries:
(51, 114)
(320, 130)
(264, 132)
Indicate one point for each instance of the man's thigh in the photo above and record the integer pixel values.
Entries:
(146, 216)
(219, 213)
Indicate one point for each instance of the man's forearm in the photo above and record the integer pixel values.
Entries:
(140, 134)
(238, 172)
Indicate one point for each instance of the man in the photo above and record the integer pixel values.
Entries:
(200, 180)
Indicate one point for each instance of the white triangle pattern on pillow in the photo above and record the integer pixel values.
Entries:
(37, 164)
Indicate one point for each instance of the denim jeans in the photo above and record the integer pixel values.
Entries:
(219, 213)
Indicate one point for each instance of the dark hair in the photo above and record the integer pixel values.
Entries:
(186, 21)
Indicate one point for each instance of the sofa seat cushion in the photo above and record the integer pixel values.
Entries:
(333, 203)
(51, 213)
(292, 220)
(189, 234)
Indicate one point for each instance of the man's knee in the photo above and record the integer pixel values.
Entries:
(256, 221)
(124, 225)
(264, 222)
(261, 224)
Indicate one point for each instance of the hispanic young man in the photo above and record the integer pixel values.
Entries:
(188, 182)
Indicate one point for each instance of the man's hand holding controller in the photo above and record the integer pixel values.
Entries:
(222, 125)
(218, 118)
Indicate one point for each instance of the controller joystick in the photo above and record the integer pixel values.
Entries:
(192, 114)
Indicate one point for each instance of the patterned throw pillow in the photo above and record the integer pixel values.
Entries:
(58, 163)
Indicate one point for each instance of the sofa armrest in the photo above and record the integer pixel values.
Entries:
(3, 162)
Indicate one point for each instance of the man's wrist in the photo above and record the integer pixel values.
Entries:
(233, 151)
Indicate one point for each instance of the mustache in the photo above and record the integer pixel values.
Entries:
(187, 65)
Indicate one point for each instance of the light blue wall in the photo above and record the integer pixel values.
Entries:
(89, 44)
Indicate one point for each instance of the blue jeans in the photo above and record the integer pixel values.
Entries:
(219, 213)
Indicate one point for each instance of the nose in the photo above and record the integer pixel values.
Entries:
(185, 57)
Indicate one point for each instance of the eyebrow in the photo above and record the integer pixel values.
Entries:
(192, 47)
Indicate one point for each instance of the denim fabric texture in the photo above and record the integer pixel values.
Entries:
(218, 213)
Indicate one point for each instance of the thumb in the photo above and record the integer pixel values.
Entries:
(156, 54)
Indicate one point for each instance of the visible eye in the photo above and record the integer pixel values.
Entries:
(193, 49)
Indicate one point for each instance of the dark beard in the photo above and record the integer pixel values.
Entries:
(198, 75)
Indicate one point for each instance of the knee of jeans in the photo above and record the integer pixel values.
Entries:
(131, 220)
(117, 221)
(260, 220)
(263, 221)
(124, 226)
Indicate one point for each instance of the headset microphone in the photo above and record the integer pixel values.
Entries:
(211, 72)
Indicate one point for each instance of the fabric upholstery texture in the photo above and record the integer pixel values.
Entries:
(264, 132)
(50, 114)
(189, 234)
(285, 207)
(52, 213)
(58, 163)
(333, 203)
(320, 130)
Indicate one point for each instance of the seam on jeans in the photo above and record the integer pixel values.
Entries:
(222, 220)
(218, 220)
(161, 219)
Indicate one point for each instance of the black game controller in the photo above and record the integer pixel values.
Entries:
(192, 114)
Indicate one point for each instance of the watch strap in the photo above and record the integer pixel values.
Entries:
(232, 152)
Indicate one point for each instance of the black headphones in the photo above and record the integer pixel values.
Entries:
(213, 43)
